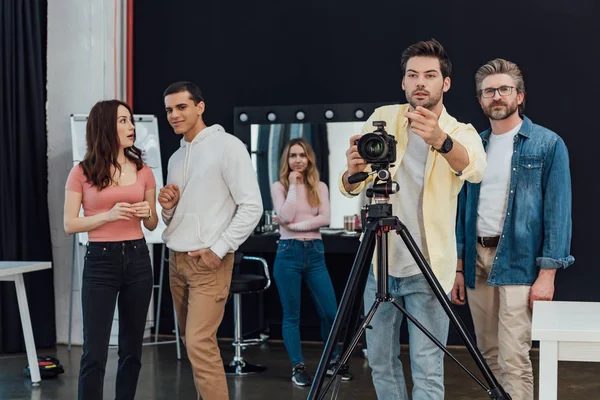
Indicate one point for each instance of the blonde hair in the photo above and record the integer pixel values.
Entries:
(311, 174)
(501, 66)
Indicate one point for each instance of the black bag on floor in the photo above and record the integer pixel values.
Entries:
(49, 368)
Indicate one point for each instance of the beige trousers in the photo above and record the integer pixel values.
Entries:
(199, 297)
(502, 321)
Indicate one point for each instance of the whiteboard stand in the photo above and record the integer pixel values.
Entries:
(164, 259)
(75, 269)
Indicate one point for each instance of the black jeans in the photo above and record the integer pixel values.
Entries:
(123, 270)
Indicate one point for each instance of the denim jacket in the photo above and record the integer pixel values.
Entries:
(537, 228)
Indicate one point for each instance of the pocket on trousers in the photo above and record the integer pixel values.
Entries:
(94, 253)
(141, 249)
(284, 246)
(203, 275)
(318, 246)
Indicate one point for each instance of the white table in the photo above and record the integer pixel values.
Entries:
(567, 331)
(13, 271)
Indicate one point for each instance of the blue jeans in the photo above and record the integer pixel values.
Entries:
(297, 260)
(383, 341)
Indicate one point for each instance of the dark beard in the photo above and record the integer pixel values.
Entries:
(431, 102)
(501, 114)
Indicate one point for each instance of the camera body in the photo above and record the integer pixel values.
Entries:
(377, 147)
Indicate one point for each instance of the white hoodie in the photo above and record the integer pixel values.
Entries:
(220, 202)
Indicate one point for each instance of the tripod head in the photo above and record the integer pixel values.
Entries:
(383, 186)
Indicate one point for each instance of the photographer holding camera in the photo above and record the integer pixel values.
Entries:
(435, 155)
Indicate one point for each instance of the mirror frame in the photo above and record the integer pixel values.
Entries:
(313, 114)
(286, 114)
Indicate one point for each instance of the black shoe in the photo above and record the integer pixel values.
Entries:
(300, 377)
(346, 376)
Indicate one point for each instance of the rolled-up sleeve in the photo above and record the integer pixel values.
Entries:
(468, 137)
(557, 210)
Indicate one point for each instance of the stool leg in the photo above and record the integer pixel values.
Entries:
(238, 366)
(237, 322)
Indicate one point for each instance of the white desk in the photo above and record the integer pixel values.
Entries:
(13, 271)
(567, 331)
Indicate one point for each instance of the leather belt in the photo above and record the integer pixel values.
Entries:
(488, 241)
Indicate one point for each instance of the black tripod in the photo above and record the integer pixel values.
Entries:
(378, 220)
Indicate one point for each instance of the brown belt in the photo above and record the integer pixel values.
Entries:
(488, 241)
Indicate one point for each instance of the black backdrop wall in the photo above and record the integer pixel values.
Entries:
(24, 222)
(303, 52)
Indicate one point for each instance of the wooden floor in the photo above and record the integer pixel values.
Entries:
(164, 377)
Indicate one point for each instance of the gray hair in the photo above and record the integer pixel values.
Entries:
(501, 66)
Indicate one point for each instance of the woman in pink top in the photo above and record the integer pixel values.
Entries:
(301, 202)
(117, 192)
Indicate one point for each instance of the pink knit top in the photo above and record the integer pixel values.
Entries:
(298, 219)
(96, 202)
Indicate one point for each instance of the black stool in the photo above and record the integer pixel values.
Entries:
(243, 284)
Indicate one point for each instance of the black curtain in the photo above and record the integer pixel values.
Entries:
(24, 222)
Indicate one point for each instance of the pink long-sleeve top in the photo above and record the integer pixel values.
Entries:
(298, 219)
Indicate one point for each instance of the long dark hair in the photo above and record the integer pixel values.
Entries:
(103, 144)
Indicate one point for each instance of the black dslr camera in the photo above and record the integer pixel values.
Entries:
(377, 147)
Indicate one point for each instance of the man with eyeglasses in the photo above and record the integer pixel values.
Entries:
(513, 228)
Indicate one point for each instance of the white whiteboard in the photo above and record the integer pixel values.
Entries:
(147, 140)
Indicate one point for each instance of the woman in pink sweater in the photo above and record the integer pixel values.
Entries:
(301, 202)
(117, 192)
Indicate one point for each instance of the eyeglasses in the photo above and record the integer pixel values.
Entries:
(502, 90)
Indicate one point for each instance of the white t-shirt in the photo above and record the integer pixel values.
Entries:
(493, 197)
(408, 206)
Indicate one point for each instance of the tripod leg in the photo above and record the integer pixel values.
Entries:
(358, 274)
(356, 339)
(354, 320)
(496, 391)
(435, 340)
(348, 352)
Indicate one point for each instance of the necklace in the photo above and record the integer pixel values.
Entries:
(116, 178)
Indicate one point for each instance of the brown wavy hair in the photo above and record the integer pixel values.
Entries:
(103, 144)
(427, 48)
(311, 174)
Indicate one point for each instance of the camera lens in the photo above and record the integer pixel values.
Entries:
(377, 147)
(372, 148)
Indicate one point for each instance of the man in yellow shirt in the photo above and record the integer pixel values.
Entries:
(435, 155)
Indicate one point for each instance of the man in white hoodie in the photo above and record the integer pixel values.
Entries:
(211, 204)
